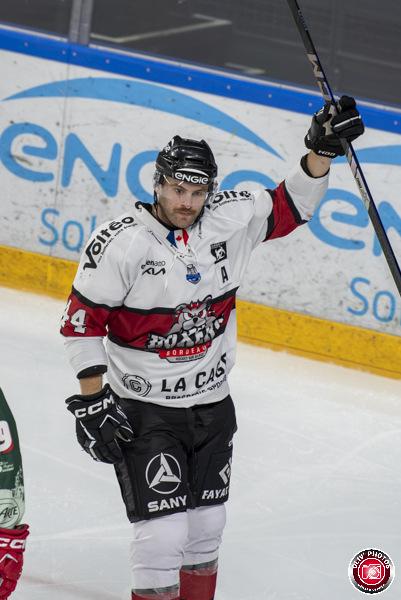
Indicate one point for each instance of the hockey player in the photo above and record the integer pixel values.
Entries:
(159, 282)
(12, 534)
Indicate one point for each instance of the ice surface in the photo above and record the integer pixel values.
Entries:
(316, 474)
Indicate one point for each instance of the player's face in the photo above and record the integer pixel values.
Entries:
(180, 203)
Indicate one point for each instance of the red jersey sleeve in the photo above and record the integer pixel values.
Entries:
(82, 317)
(284, 216)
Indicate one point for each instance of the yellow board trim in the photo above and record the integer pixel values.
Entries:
(331, 341)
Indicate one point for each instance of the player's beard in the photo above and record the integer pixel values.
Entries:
(178, 217)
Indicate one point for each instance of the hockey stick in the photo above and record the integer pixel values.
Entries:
(348, 149)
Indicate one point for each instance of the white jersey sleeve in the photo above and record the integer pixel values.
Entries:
(102, 281)
(269, 214)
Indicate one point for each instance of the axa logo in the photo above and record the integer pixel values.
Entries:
(163, 474)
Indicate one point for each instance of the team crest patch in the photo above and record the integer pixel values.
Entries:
(219, 251)
(194, 328)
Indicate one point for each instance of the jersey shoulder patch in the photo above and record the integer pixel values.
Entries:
(229, 197)
(103, 236)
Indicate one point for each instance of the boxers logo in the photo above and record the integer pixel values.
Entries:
(189, 338)
(137, 384)
(163, 474)
(95, 250)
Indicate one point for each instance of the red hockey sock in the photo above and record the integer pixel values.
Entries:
(198, 582)
(166, 594)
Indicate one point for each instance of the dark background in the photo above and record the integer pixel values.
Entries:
(359, 41)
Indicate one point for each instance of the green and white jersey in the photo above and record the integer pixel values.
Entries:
(12, 500)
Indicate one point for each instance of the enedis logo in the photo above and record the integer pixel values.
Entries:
(340, 220)
(146, 94)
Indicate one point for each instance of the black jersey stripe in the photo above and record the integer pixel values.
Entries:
(162, 310)
(90, 303)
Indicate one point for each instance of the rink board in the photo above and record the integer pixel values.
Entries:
(257, 324)
(80, 129)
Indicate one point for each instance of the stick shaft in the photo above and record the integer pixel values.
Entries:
(352, 159)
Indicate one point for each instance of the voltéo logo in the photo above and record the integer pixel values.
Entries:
(371, 571)
(163, 474)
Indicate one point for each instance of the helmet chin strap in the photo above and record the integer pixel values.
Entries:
(155, 211)
(155, 207)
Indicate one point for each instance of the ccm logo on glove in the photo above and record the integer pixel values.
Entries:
(101, 425)
(93, 409)
(13, 544)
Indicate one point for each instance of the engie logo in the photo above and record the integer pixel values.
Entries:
(191, 178)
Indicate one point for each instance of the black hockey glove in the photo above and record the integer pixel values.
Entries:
(326, 131)
(99, 420)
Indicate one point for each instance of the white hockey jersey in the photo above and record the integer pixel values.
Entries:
(164, 301)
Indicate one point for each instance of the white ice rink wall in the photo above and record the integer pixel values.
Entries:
(80, 128)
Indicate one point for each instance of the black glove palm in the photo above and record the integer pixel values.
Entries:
(326, 131)
(99, 421)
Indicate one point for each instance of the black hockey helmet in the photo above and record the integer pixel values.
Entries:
(186, 160)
